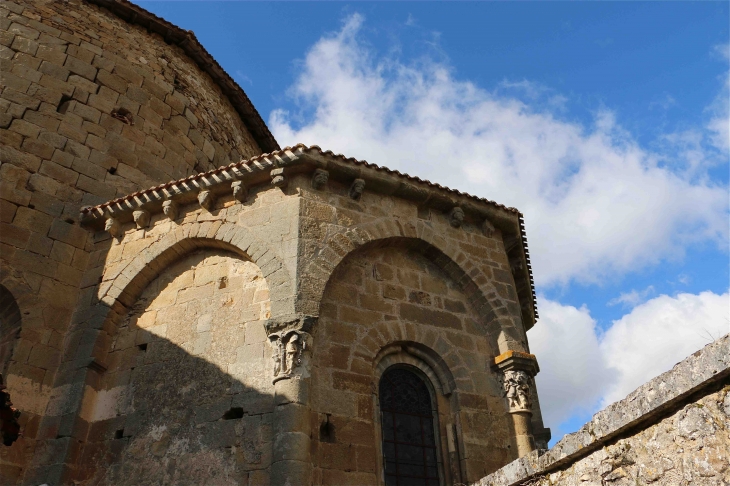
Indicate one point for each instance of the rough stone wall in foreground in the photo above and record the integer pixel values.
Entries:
(673, 430)
(690, 447)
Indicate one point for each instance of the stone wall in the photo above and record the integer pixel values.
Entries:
(91, 108)
(672, 431)
(184, 396)
(167, 358)
(381, 299)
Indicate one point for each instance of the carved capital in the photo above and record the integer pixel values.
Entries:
(456, 217)
(141, 218)
(170, 209)
(517, 370)
(356, 189)
(320, 178)
(240, 191)
(113, 227)
(287, 352)
(516, 386)
(289, 338)
(206, 200)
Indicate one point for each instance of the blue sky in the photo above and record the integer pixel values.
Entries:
(605, 123)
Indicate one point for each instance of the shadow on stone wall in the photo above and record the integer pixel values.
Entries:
(182, 393)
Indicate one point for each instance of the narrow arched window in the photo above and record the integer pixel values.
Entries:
(409, 441)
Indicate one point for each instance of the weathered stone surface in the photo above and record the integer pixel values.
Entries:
(633, 441)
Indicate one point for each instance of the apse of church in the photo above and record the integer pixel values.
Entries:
(213, 309)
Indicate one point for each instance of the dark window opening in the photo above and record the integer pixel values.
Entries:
(233, 413)
(409, 442)
(142, 347)
(119, 434)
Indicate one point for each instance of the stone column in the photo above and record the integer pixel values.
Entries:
(517, 371)
(291, 342)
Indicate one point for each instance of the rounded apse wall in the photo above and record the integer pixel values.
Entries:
(102, 108)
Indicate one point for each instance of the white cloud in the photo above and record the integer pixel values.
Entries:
(596, 203)
(573, 374)
(632, 298)
(583, 369)
(659, 333)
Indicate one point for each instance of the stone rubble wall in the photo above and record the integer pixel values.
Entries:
(672, 431)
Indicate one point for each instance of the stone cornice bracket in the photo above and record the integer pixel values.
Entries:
(170, 209)
(113, 227)
(517, 372)
(289, 338)
(488, 228)
(456, 217)
(319, 179)
(278, 179)
(206, 200)
(240, 191)
(141, 218)
(356, 189)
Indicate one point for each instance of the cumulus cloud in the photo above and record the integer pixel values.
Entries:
(596, 203)
(593, 369)
(657, 334)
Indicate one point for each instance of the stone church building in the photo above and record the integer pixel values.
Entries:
(183, 301)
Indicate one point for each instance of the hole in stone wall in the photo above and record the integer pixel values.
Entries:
(222, 282)
(31, 206)
(327, 431)
(123, 115)
(112, 170)
(69, 220)
(233, 413)
(119, 434)
(142, 347)
(63, 104)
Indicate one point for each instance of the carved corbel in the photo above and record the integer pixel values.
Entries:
(170, 209)
(113, 227)
(320, 178)
(141, 218)
(278, 179)
(356, 189)
(240, 191)
(206, 200)
(488, 228)
(456, 217)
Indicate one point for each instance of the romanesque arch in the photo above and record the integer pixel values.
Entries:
(125, 280)
(420, 237)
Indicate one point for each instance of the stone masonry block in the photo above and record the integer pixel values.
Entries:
(80, 67)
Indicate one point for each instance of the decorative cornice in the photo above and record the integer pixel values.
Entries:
(258, 170)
